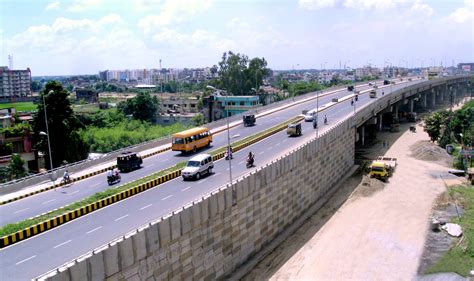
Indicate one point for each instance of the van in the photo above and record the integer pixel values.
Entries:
(309, 116)
(197, 166)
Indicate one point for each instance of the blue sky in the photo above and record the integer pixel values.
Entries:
(59, 37)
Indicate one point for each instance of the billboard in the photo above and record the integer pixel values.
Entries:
(466, 67)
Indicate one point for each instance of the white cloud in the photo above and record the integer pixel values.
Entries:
(420, 8)
(53, 6)
(316, 4)
(83, 5)
(173, 11)
(463, 14)
(147, 5)
(417, 5)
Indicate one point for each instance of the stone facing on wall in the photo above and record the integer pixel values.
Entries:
(210, 238)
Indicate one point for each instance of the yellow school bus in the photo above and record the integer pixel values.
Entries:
(191, 140)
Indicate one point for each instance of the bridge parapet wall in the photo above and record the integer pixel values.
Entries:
(211, 237)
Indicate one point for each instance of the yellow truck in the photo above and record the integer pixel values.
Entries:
(379, 170)
(382, 168)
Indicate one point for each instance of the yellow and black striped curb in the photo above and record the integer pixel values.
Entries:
(57, 185)
(71, 215)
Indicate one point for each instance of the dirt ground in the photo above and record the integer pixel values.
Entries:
(379, 232)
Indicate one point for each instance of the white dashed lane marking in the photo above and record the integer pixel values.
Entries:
(27, 259)
(62, 244)
(122, 217)
(144, 207)
(92, 230)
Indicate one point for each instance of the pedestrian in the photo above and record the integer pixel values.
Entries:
(383, 144)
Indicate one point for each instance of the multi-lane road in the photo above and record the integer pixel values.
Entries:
(43, 252)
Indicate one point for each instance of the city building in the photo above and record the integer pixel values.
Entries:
(14, 83)
(20, 143)
(466, 67)
(233, 105)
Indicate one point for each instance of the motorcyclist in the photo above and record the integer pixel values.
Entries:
(66, 177)
(228, 153)
(250, 159)
(116, 173)
(110, 174)
(325, 119)
(352, 102)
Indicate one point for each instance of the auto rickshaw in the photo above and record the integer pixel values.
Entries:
(294, 129)
(128, 161)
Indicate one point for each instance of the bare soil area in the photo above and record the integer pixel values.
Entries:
(380, 230)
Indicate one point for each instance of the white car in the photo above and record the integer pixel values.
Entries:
(197, 166)
(309, 116)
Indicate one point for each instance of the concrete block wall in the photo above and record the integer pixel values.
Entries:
(212, 237)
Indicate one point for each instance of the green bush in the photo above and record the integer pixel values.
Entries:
(126, 133)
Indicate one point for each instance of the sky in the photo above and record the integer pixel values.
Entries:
(59, 37)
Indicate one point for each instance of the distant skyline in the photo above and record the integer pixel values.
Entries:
(58, 37)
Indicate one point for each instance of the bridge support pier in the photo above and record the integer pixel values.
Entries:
(379, 122)
(433, 98)
(362, 135)
(424, 99)
(412, 105)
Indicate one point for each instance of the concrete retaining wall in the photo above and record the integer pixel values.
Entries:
(211, 237)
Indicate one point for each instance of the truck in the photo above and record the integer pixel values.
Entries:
(382, 168)
(373, 94)
(379, 170)
(390, 161)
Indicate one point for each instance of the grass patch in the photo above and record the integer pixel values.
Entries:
(19, 106)
(14, 227)
(460, 258)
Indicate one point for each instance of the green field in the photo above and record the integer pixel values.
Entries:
(19, 106)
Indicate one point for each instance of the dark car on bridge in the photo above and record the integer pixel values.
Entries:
(249, 120)
(350, 88)
(386, 82)
(128, 161)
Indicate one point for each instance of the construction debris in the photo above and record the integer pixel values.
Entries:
(452, 229)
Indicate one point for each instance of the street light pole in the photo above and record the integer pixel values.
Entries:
(47, 131)
(228, 139)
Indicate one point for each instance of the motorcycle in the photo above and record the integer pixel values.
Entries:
(113, 179)
(66, 180)
(226, 156)
(325, 121)
(250, 162)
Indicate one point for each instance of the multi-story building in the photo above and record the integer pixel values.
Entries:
(15, 83)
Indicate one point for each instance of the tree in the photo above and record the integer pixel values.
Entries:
(36, 86)
(64, 126)
(433, 125)
(198, 120)
(16, 168)
(142, 107)
(238, 75)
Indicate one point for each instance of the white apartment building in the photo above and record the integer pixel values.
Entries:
(15, 83)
